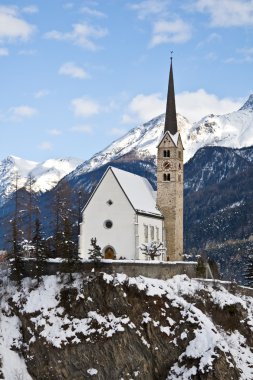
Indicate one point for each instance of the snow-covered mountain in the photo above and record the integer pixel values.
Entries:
(233, 130)
(44, 176)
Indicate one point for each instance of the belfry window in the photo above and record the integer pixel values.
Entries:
(166, 153)
(166, 177)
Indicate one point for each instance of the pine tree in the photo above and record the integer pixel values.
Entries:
(249, 271)
(15, 257)
(95, 253)
(39, 249)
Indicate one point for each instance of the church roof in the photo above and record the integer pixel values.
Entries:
(171, 116)
(138, 190)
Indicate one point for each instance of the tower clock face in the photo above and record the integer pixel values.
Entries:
(166, 165)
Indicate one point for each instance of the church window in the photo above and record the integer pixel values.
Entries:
(164, 177)
(168, 177)
(108, 224)
(179, 166)
(146, 233)
(157, 234)
(180, 154)
(168, 153)
(152, 233)
(110, 202)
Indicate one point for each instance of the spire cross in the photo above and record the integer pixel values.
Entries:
(171, 56)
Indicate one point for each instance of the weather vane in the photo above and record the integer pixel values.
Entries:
(171, 55)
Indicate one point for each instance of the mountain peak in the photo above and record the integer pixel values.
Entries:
(248, 105)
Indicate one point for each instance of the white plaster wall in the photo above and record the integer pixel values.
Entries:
(149, 221)
(122, 235)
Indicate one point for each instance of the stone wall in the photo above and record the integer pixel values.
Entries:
(159, 270)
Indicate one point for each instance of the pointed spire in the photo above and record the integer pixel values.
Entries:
(171, 116)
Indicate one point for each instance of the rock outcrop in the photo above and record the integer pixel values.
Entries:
(115, 327)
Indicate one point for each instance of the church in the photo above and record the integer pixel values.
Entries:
(124, 211)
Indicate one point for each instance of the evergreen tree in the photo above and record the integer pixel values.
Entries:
(39, 249)
(95, 253)
(15, 257)
(249, 271)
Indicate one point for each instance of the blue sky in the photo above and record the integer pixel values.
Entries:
(76, 75)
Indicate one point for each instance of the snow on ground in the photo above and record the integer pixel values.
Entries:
(13, 365)
(53, 324)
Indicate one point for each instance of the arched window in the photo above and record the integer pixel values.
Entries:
(179, 166)
(164, 177)
(179, 154)
(168, 177)
(168, 153)
(164, 153)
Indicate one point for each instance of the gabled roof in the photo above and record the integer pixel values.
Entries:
(138, 191)
(174, 138)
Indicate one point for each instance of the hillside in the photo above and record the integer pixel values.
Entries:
(180, 328)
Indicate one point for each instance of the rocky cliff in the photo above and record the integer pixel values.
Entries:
(114, 327)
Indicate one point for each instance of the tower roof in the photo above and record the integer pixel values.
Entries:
(171, 116)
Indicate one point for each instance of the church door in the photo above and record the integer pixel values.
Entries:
(109, 253)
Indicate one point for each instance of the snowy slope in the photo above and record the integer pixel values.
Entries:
(142, 140)
(47, 174)
(234, 130)
(13, 169)
(203, 330)
(44, 175)
(231, 130)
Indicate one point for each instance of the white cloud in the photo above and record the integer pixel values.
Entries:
(177, 31)
(92, 12)
(143, 108)
(21, 112)
(4, 52)
(195, 105)
(55, 132)
(82, 129)
(117, 131)
(81, 34)
(41, 93)
(72, 70)
(192, 105)
(150, 8)
(85, 107)
(12, 26)
(227, 13)
(45, 145)
(30, 9)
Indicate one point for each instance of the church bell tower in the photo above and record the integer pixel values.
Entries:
(170, 178)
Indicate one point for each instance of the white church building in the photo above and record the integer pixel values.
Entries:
(122, 214)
